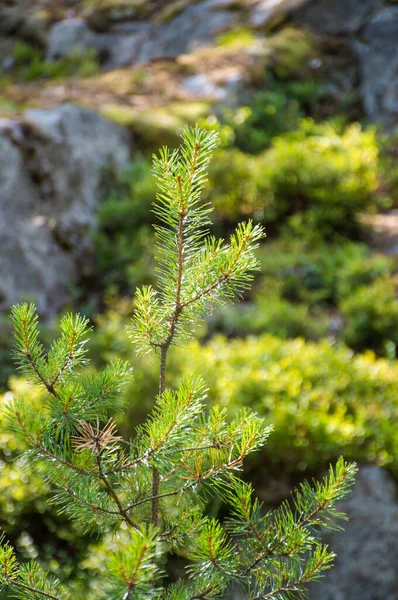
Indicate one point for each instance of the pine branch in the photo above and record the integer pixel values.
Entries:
(32, 589)
(132, 570)
(123, 512)
(320, 560)
(28, 350)
(95, 508)
(286, 534)
(68, 351)
(62, 461)
(198, 479)
(28, 581)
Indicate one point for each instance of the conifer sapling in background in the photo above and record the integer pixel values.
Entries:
(151, 492)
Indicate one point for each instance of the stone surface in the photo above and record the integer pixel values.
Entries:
(16, 20)
(118, 50)
(270, 12)
(54, 168)
(340, 17)
(367, 551)
(196, 24)
(68, 37)
(378, 53)
(371, 27)
(202, 86)
(139, 42)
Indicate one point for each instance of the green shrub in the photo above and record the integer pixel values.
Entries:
(314, 181)
(232, 188)
(30, 64)
(292, 49)
(322, 177)
(362, 269)
(125, 260)
(272, 112)
(270, 312)
(323, 400)
(322, 274)
(315, 283)
(371, 317)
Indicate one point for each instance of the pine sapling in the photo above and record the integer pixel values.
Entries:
(151, 491)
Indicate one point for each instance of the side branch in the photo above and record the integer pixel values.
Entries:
(115, 497)
(222, 279)
(50, 388)
(210, 473)
(67, 360)
(23, 586)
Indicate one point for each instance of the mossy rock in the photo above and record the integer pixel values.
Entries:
(157, 126)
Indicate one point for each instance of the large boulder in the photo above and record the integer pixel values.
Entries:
(378, 52)
(367, 551)
(340, 17)
(54, 169)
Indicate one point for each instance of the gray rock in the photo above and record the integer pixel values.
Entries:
(68, 37)
(339, 17)
(204, 87)
(371, 28)
(367, 552)
(379, 66)
(196, 24)
(130, 43)
(54, 169)
(118, 50)
(265, 12)
(16, 20)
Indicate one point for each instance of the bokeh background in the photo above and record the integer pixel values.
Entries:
(304, 95)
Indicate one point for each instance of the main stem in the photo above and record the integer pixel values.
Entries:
(163, 355)
(155, 472)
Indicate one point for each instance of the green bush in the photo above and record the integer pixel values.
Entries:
(322, 400)
(304, 288)
(322, 176)
(26, 515)
(292, 49)
(371, 317)
(125, 260)
(272, 112)
(270, 312)
(232, 188)
(314, 181)
(30, 65)
(321, 274)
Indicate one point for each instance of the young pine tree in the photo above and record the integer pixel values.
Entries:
(151, 491)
